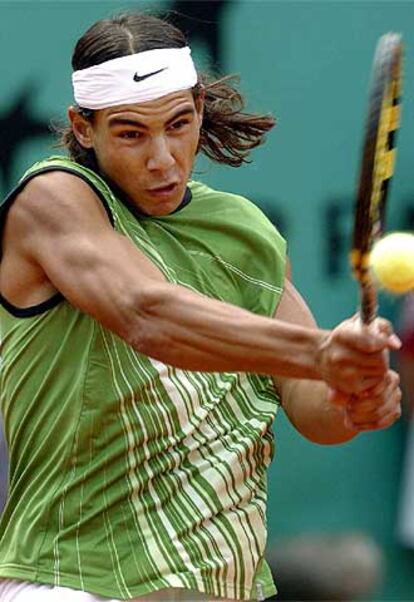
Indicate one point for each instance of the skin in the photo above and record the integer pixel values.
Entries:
(157, 140)
(57, 237)
(323, 414)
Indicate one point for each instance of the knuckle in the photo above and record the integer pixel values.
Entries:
(358, 386)
(370, 345)
(334, 357)
(385, 325)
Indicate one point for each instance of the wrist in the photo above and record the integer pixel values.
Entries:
(321, 345)
(299, 350)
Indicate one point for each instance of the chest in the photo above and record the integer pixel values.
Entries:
(205, 258)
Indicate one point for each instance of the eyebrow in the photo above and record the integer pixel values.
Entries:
(126, 121)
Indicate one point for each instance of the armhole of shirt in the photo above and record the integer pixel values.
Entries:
(280, 249)
(34, 310)
(278, 297)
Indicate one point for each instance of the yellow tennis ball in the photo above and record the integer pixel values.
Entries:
(392, 262)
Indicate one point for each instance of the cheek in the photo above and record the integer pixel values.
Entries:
(111, 156)
(191, 147)
(102, 151)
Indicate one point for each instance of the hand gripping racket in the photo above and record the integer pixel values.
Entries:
(377, 165)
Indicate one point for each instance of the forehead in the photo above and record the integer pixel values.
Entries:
(156, 111)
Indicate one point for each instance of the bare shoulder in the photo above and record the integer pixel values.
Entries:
(56, 220)
(55, 200)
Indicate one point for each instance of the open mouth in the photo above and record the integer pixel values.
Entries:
(163, 190)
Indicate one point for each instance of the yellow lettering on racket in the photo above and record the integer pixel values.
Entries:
(359, 260)
(387, 166)
(393, 117)
(355, 257)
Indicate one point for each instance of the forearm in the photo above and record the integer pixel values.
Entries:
(194, 332)
(309, 409)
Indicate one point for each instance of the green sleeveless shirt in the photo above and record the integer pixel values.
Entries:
(128, 475)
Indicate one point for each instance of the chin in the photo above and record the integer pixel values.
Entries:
(159, 204)
(161, 210)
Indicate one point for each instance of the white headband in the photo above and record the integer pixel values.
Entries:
(134, 78)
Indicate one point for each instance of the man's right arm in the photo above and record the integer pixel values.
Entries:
(58, 225)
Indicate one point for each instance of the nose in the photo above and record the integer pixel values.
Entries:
(160, 157)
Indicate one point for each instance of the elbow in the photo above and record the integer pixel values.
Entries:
(334, 431)
(328, 439)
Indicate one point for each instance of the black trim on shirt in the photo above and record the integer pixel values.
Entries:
(34, 310)
(5, 206)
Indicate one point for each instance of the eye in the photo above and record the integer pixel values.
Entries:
(178, 125)
(130, 134)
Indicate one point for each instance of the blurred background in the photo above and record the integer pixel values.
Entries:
(307, 62)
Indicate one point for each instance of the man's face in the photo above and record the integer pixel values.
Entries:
(148, 149)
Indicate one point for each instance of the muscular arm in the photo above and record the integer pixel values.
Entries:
(58, 226)
(320, 414)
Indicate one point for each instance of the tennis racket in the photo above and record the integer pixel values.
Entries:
(377, 165)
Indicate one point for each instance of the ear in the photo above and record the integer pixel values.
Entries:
(199, 103)
(81, 127)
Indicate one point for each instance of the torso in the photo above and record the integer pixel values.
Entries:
(162, 470)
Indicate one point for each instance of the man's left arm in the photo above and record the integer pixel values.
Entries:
(325, 416)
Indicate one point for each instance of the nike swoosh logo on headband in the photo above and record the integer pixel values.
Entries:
(140, 78)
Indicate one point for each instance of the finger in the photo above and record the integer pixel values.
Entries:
(395, 378)
(376, 406)
(376, 409)
(352, 381)
(351, 359)
(367, 339)
(389, 396)
(394, 342)
(390, 418)
(338, 353)
(377, 425)
(383, 325)
(379, 422)
(386, 327)
(363, 384)
(376, 391)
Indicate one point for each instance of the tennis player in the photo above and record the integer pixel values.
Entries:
(148, 337)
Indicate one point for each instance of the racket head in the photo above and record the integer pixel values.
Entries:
(377, 163)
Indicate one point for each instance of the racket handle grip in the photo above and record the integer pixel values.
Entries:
(368, 303)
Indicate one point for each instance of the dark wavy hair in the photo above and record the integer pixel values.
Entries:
(227, 133)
